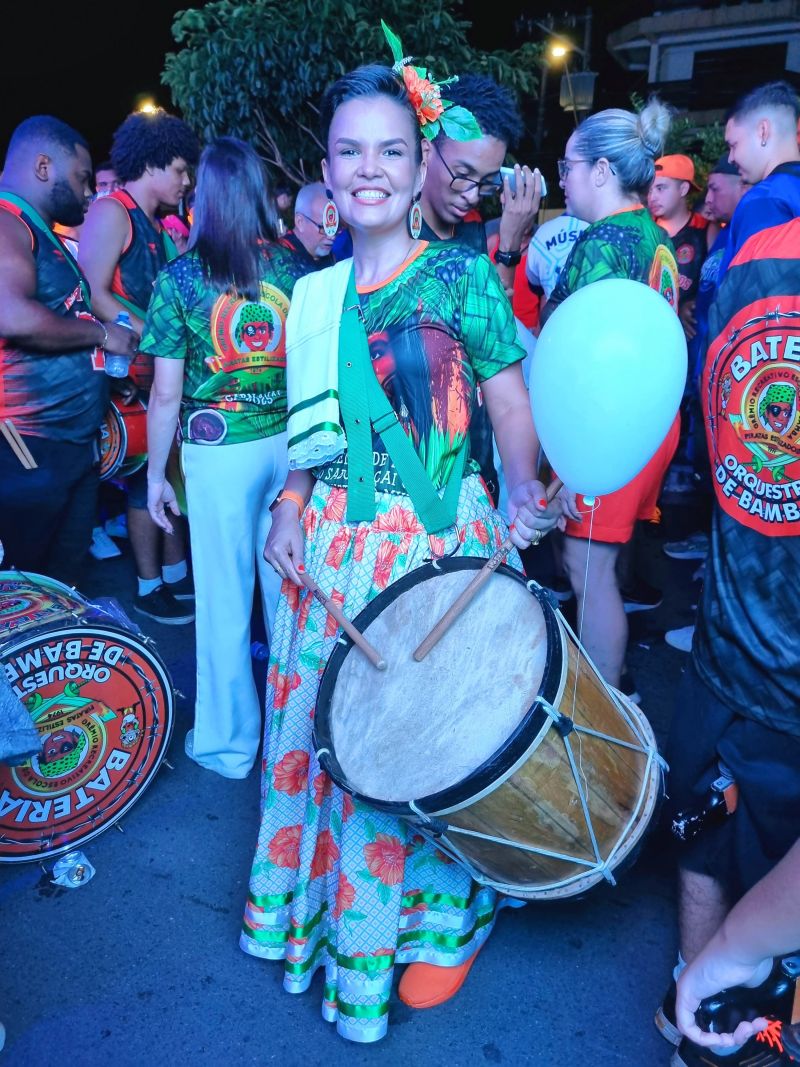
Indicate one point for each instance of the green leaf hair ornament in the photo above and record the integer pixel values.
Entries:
(434, 114)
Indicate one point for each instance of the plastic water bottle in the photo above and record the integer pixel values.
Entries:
(259, 651)
(117, 364)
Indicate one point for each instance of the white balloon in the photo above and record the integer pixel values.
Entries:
(606, 382)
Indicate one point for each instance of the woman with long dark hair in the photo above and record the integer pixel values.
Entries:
(216, 326)
(336, 883)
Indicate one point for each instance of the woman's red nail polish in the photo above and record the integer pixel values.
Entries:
(301, 568)
(512, 527)
(542, 502)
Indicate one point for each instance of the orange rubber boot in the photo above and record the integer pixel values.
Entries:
(425, 986)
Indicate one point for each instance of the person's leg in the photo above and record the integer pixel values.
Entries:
(603, 626)
(173, 546)
(225, 488)
(145, 539)
(31, 502)
(66, 554)
(702, 906)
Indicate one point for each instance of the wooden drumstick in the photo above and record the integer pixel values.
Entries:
(333, 609)
(467, 594)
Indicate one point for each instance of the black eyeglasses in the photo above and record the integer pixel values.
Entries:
(459, 183)
(313, 222)
(565, 165)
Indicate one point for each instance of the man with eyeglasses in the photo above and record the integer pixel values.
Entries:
(307, 239)
(462, 173)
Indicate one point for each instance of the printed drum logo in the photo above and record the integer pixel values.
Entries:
(768, 422)
(103, 705)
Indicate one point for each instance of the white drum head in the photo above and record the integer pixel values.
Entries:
(419, 728)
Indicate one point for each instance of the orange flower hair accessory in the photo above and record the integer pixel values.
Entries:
(434, 114)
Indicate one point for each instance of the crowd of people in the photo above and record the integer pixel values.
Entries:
(336, 392)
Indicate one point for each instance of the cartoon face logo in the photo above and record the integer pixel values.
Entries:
(129, 729)
(777, 407)
(61, 752)
(254, 329)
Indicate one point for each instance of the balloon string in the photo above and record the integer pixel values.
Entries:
(592, 509)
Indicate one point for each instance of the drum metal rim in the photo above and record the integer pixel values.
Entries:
(142, 645)
(123, 443)
(490, 774)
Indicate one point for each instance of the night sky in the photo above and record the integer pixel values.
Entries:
(90, 72)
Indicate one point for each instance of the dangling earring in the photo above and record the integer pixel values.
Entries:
(330, 216)
(764, 142)
(415, 217)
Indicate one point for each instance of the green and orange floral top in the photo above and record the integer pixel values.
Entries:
(437, 328)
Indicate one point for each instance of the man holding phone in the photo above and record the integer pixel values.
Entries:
(460, 174)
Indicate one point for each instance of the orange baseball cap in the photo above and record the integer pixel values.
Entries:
(681, 168)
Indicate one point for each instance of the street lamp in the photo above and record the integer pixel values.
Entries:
(580, 85)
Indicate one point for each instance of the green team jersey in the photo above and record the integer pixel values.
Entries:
(235, 349)
(437, 328)
(627, 244)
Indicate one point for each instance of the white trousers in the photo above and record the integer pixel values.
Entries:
(229, 489)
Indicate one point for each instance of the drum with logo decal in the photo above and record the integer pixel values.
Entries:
(102, 701)
(503, 745)
(123, 439)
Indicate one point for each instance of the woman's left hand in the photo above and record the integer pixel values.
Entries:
(530, 514)
(160, 496)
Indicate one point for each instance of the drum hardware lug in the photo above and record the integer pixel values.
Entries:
(118, 826)
(547, 594)
(434, 827)
(321, 753)
(177, 693)
(563, 724)
(168, 764)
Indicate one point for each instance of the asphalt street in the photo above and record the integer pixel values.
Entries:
(141, 965)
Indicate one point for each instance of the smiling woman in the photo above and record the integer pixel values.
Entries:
(400, 335)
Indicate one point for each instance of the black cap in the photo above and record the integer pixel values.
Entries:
(723, 166)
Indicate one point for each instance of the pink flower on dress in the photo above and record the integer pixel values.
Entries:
(291, 773)
(325, 854)
(384, 562)
(385, 858)
(284, 685)
(345, 896)
(348, 806)
(358, 548)
(322, 788)
(292, 593)
(335, 507)
(284, 848)
(399, 520)
(481, 531)
(331, 625)
(338, 547)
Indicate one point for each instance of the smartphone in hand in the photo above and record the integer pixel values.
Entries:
(508, 172)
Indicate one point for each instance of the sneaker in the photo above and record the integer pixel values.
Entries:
(728, 1008)
(680, 638)
(102, 547)
(763, 1050)
(627, 687)
(118, 526)
(162, 606)
(641, 597)
(695, 546)
(182, 590)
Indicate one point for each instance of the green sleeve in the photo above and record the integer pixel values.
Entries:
(488, 326)
(164, 333)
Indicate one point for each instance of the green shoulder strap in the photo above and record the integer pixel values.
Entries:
(41, 225)
(365, 406)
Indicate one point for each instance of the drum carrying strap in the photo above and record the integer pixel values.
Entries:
(365, 407)
(48, 234)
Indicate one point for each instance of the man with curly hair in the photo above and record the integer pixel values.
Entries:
(123, 247)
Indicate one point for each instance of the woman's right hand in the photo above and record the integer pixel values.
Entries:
(285, 544)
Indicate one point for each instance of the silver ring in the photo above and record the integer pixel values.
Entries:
(537, 536)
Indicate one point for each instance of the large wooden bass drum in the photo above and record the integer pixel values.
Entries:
(504, 745)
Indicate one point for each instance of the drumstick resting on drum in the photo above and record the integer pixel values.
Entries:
(483, 575)
(333, 609)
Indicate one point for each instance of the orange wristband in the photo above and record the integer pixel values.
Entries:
(287, 494)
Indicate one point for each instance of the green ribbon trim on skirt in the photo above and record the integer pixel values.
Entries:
(305, 965)
(265, 937)
(303, 931)
(410, 900)
(270, 900)
(451, 941)
(366, 964)
(363, 1011)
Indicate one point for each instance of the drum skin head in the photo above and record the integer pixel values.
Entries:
(417, 729)
(102, 701)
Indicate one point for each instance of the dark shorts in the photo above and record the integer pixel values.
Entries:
(136, 488)
(766, 766)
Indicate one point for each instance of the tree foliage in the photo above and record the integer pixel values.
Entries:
(256, 69)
